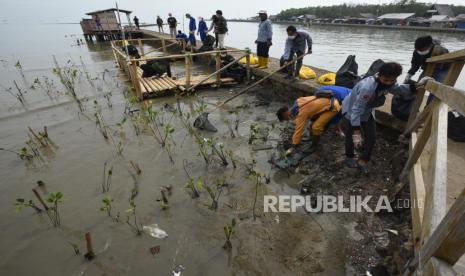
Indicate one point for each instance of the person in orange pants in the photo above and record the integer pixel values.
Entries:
(319, 110)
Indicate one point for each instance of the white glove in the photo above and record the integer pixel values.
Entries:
(424, 80)
(357, 139)
(290, 151)
(407, 78)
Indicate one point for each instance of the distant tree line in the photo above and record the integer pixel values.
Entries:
(339, 11)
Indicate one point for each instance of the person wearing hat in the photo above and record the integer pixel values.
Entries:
(192, 29)
(264, 38)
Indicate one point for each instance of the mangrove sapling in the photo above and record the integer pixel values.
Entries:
(194, 186)
(229, 229)
(136, 167)
(217, 149)
(131, 212)
(164, 200)
(55, 198)
(215, 193)
(230, 128)
(19, 67)
(68, 76)
(22, 153)
(75, 248)
(253, 133)
(22, 203)
(18, 96)
(107, 204)
(231, 156)
(256, 177)
(106, 183)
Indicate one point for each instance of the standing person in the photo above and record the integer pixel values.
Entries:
(358, 109)
(172, 23)
(426, 47)
(202, 29)
(192, 28)
(98, 23)
(160, 24)
(265, 34)
(221, 28)
(136, 21)
(213, 26)
(298, 41)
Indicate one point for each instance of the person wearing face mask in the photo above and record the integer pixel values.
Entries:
(426, 47)
(265, 34)
(358, 109)
(297, 41)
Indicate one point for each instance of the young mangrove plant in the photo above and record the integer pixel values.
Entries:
(253, 134)
(68, 76)
(192, 184)
(22, 153)
(135, 166)
(75, 248)
(230, 128)
(215, 192)
(22, 203)
(256, 177)
(229, 229)
(106, 182)
(164, 200)
(217, 149)
(55, 198)
(131, 212)
(107, 204)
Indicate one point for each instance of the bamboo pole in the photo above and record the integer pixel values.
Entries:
(183, 55)
(141, 47)
(188, 70)
(136, 81)
(163, 44)
(114, 53)
(218, 68)
(90, 251)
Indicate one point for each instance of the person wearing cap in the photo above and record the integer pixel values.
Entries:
(264, 38)
(298, 42)
(221, 28)
(192, 28)
(172, 23)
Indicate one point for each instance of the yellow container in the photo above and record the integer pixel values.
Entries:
(307, 73)
(253, 60)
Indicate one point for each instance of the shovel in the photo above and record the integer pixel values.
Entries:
(202, 122)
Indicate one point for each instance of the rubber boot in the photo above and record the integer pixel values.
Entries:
(315, 141)
(264, 63)
(260, 61)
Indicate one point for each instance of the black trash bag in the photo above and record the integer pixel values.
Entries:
(205, 48)
(202, 123)
(209, 41)
(235, 71)
(374, 68)
(156, 68)
(282, 61)
(456, 126)
(347, 75)
(132, 50)
(401, 105)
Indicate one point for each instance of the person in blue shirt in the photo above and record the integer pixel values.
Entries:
(181, 36)
(192, 29)
(203, 29)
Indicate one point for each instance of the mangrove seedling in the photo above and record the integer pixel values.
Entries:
(229, 229)
(253, 133)
(22, 203)
(164, 200)
(107, 203)
(194, 186)
(230, 127)
(217, 149)
(256, 177)
(215, 193)
(106, 183)
(75, 248)
(55, 199)
(231, 156)
(131, 212)
(23, 154)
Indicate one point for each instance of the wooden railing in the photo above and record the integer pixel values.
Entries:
(438, 234)
(130, 65)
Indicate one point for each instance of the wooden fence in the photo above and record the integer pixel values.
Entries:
(438, 234)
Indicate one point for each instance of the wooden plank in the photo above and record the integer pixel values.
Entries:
(420, 119)
(141, 47)
(448, 241)
(454, 56)
(417, 195)
(453, 97)
(160, 82)
(166, 83)
(419, 97)
(148, 88)
(218, 68)
(155, 84)
(454, 73)
(188, 71)
(418, 149)
(436, 195)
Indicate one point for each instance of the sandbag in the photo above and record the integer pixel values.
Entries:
(253, 60)
(456, 126)
(307, 73)
(347, 75)
(327, 79)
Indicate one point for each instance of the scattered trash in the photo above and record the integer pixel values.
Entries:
(276, 218)
(177, 270)
(155, 250)
(395, 232)
(154, 231)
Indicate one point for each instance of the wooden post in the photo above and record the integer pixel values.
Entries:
(218, 67)
(163, 44)
(42, 202)
(247, 66)
(136, 81)
(114, 53)
(188, 70)
(90, 251)
(141, 47)
(183, 46)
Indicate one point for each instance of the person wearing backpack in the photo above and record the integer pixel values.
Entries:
(320, 108)
(358, 109)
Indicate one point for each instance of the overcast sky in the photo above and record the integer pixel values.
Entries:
(73, 10)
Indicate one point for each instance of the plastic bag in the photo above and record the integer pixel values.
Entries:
(154, 231)
(307, 73)
(253, 60)
(327, 79)
(347, 75)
